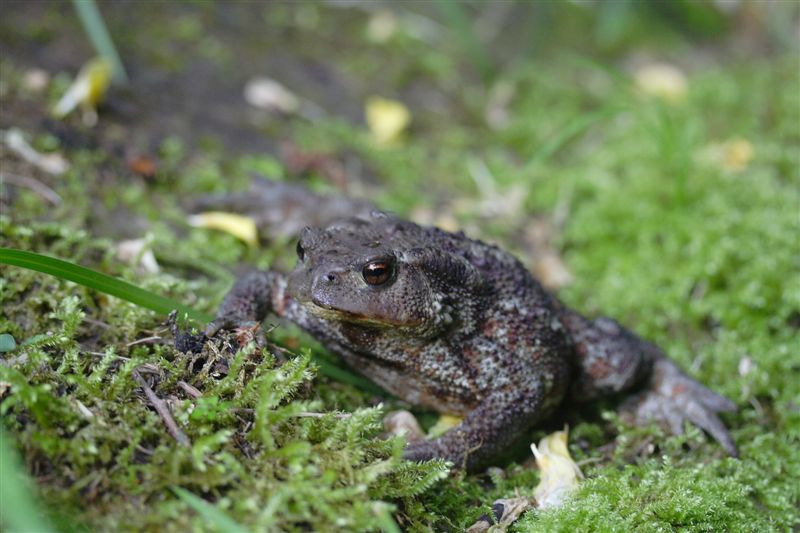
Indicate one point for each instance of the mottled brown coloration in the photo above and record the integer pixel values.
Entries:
(461, 327)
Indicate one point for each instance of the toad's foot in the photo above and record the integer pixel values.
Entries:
(244, 332)
(241, 333)
(245, 306)
(422, 450)
(672, 397)
(462, 456)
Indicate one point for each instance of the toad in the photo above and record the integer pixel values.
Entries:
(456, 325)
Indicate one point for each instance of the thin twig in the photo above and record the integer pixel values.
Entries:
(757, 406)
(95, 322)
(305, 414)
(279, 349)
(162, 410)
(301, 414)
(190, 390)
(589, 460)
(35, 185)
(104, 354)
(146, 451)
(85, 411)
(146, 340)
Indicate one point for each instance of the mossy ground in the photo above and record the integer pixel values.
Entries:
(644, 200)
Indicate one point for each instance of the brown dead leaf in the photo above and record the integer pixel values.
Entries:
(143, 166)
(301, 162)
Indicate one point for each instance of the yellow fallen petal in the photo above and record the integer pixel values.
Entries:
(447, 222)
(381, 26)
(551, 270)
(444, 424)
(386, 119)
(560, 474)
(88, 89)
(737, 154)
(732, 155)
(98, 71)
(662, 80)
(239, 226)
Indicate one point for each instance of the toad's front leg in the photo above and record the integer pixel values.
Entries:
(500, 420)
(243, 308)
(250, 300)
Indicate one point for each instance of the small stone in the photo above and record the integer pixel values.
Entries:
(266, 93)
(35, 80)
(745, 366)
(403, 423)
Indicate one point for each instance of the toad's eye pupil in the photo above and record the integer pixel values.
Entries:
(377, 273)
(301, 253)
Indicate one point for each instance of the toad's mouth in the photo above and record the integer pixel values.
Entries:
(320, 307)
(329, 311)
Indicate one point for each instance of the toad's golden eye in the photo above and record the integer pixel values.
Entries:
(377, 272)
(301, 253)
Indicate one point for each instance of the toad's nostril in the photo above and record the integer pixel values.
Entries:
(329, 277)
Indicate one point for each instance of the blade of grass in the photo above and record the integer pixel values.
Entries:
(95, 280)
(568, 132)
(18, 509)
(387, 523)
(96, 29)
(211, 513)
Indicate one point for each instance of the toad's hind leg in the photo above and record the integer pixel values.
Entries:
(610, 359)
